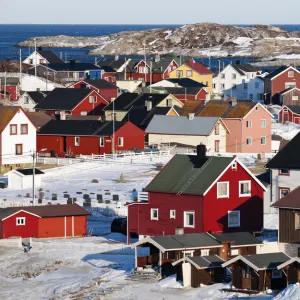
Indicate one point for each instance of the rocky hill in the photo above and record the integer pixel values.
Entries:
(203, 39)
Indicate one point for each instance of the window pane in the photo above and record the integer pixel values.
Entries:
(245, 188)
(190, 219)
(222, 189)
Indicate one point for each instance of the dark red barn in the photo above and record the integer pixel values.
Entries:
(289, 113)
(48, 221)
(196, 193)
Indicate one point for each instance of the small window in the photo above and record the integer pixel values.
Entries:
(222, 189)
(26, 100)
(217, 129)
(249, 124)
(295, 98)
(179, 74)
(263, 140)
(285, 172)
(234, 166)
(234, 252)
(276, 273)
(92, 99)
(244, 188)
(245, 86)
(257, 85)
(246, 271)
(234, 218)
(222, 86)
(20, 221)
(222, 76)
(251, 96)
(77, 141)
(24, 128)
(249, 141)
(154, 214)
(19, 149)
(169, 102)
(189, 219)
(120, 141)
(297, 221)
(13, 129)
(83, 113)
(283, 192)
(291, 74)
(189, 73)
(188, 253)
(172, 214)
(263, 123)
(233, 76)
(101, 142)
(214, 86)
(205, 252)
(31, 61)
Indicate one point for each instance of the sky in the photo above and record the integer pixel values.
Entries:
(149, 12)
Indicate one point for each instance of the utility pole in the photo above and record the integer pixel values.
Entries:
(125, 69)
(150, 77)
(33, 173)
(145, 60)
(113, 135)
(21, 68)
(5, 85)
(35, 64)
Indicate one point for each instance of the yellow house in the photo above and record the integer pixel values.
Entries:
(196, 71)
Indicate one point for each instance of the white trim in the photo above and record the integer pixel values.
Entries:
(225, 196)
(250, 245)
(290, 90)
(239, 218)
(250, 123)
(172, 108)
(242, 258)
(184, 219)
(120, 138)
(190, 252)
(244, 181)
(77, 143)
(88, 95)
(261, 122)
(265, 143)
(285, 71)
(292, 260)
(20, 211)
(258, 104)
(172, 211)
(151, 214)
(21, 218)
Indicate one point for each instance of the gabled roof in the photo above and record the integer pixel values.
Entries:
(79, 128)
(289, 262)
(260, 262)
(202, 262)
(46, 211)
(73, 67)
(290, 89)
(63, 99)
(114, 64)
(38, 96)
(293, 108)
(288, 157)
(51, 57)
(100, 83)
(244, 68)
(185, 82)
(191, 106)
(199, 67)
(88, 117)
(39, 118)
(214, 108)
(6, 114)
(237, 238)
(28, 171)
(179, 90)
(108, 69)
(278, 71)
(265, 178)
(240, 110)
(162, 124)
(189, 174)
(180, 241)
(291, 200)
(159, 67)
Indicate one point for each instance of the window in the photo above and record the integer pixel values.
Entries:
(189, 73)
(290, 84)
(205, 252)
(234, 166)
(188, 253)
(234, 87)
(120, 141)
(31, 61)
(189, 219)
(285, 172)
(291, 74)
(77, 141)
(172, 214)
(20, 221)
(234, 252)
(257, 85)
(251, 96)
(19, 149)
(24, 128)
(297, 221)
(276, 274)
(83, 113)
(244, 188)
(245, 86)
(263, 123)
(234, 218)
(143, 70)
(217, 129)
(222, 76)
(169, 102)
(154, 214)
(260, 96)
(295, 98)
(246, 271)
(283, 192)
(263, 140)
(249, 141)
(249, 124)
(179, 74)
(223, 189)
(217, 146)
(233, 76)
(214, 86)
(222, 86)
(13, 130)
(102, 142)
(92, 99)
(26, 100)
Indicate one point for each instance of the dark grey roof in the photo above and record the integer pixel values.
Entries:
(108, 69)
(276, 72)
(288, 157)
(244, 68)
(100, 83)
(114, 64)
(265, 178)
(9, 81)
(294, 108)
(237, 238)
(207, 262)
(186, 82)
(162, 124)
(79, 67)
(185, 174)
(178, 90)
(189, 241)
(5, 212)
(39, 118)
(79, 128)
(88, 117)
(51, 57)
(38, 96)
(29, 171)
(63, 99)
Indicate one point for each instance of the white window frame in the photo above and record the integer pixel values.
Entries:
(239, 219)
(240, 183)
(169, 102)
(234, 252)
(83, 113)
(189, 73)
(291, 74)
(189, 252)
(185, 213)
(92, 99)
(204, 252)
(222, 196)
(261, 139)
(234, 166)
(77, 141)
(250, 123)
(250, 138)
(22, 221)
(172, 214)
(101, 141)
(295, 98)
(263, 121)
(151, 214)
(276, 274)
(120, 141)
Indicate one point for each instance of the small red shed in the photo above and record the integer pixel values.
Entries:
(289, 113)
(49, 221)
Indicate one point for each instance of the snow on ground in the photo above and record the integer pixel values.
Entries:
(169, 33)
(291, 292)
(214, 51)
(243, 42)
(271, 221)
(288, 56)
(287, 130)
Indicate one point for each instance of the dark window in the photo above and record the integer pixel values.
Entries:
(19, 149)
(284, 172)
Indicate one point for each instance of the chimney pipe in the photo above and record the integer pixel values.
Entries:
(72, 63)
(191, 116)
(201, 151)
(149, 105)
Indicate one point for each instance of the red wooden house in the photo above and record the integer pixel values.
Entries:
(89, 137)
(63, 102)
(198, 194)
(106, 89)
(289, 113)
(279, 80)
(10, 87)
(43, 221)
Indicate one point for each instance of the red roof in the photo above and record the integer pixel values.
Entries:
(199, 67)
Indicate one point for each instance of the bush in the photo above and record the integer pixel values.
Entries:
(95, 181)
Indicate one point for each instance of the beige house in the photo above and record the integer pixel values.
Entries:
(121, 105)
(188, 130)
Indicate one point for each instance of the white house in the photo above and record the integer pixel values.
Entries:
(239, 81)
(28, 100)
(20, 179)
(41, 57)
(17, 138)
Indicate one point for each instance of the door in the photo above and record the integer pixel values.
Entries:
(186, 274)
(217, 146)
(297, 120)
(64, 144)
(292, 274)
(254, 281)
